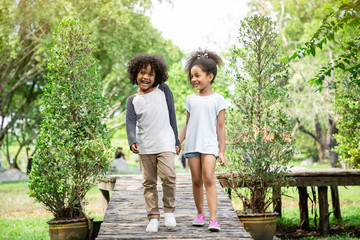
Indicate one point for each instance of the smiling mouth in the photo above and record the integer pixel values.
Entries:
(145, 82)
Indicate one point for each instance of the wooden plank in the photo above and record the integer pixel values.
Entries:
(105, 199)
(107, 183)
(324, 211)
(298, 172)
(303, 205)
(304, 181)
(335, 202)
(277, 200)
(310, 177)
(126, 218)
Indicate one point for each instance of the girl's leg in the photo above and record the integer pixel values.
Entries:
(208, 163)
(197, 183)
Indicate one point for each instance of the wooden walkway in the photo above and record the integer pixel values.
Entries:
(125, 217)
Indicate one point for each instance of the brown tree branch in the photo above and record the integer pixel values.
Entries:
(303, 9)
(280, 25)
(304, 130)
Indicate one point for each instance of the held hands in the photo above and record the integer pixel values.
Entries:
(178, 149)
(221, 158)
(134, 148)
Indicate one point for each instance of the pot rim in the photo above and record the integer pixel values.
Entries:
(72, 220)
(240, 213)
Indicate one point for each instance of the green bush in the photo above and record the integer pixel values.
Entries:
(258, 128)
(347, 107)
(73, 147)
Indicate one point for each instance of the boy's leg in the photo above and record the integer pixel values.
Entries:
(166, 167)
(149, 169)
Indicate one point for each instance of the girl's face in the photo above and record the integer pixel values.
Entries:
(146, 79)
(200, 80)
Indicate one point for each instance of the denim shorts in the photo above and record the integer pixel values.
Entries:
(192, 154)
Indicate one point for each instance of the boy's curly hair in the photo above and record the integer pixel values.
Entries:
(206, 60)
(156, 62)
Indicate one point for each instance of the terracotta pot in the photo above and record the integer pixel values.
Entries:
(260, 226)
(76, 229)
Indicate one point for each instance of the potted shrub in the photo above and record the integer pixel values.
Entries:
(258, 128)
(73, 147)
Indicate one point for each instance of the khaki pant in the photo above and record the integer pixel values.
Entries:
(161, 164)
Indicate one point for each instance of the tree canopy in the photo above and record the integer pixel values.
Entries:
(121, 30)
(336, 24)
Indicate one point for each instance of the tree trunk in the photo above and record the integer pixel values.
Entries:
(318, 133)
(333, 130)
(327, 145)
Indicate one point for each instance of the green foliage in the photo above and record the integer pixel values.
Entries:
(298, 21)
(26, 30)
(258, 128)
(340, 30)
(73, 145)
(20, 67)
(305, 147)
(347, 107)
(347, 15)
(180, 88)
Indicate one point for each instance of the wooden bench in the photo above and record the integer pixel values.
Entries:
(106, 185)
(322, 179)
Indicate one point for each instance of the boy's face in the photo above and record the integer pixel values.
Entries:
(146, 79)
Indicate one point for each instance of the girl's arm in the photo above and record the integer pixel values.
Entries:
(220, 128)
(183, 131)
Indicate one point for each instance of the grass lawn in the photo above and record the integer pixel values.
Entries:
(22, 218)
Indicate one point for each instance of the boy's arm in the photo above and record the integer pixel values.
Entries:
(171, 107)
(131, 124)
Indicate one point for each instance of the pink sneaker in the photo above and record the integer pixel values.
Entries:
(199, 220)
(214, 226)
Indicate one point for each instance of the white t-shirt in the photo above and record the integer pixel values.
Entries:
(201, 132)
(154, 132)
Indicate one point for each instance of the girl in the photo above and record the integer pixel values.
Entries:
(204, 131)
(152, 111)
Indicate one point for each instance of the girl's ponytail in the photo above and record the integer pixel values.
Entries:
(206, 60)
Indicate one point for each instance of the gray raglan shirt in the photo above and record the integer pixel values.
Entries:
(151, 121)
